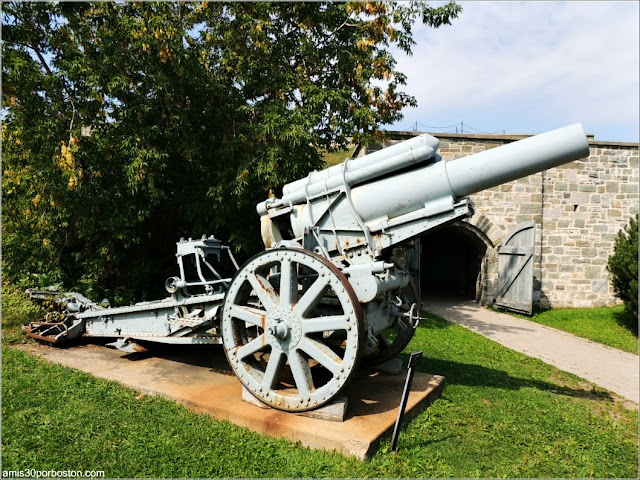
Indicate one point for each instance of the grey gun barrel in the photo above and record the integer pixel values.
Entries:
(501, 165)
(405, 192)
(357, 171)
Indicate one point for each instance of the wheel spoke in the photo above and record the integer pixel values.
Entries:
(252, 347)
(248, 314)
(264, 291)
(324, 324)
(322, 354)
(301, 373)
(288, 283)
(274, 366)
(311, 297)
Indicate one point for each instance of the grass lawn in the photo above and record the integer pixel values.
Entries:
(335, 158)
(612, 326)
(501, 414)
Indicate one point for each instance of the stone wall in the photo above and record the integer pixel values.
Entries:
(578, 209)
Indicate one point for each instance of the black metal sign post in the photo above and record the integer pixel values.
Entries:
(413, 362)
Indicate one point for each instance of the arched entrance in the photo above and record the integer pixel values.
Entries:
(453, 262)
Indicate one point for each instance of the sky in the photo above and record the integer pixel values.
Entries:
(527, 67)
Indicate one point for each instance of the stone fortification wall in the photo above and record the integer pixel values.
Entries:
(578, 209)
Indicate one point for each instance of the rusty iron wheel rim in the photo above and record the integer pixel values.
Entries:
(294, 345)
(389, 347)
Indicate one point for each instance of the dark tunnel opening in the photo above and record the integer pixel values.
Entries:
(451, 263)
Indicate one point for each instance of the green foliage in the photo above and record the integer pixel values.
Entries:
(623, 266)
(501, 414)
(16, 310)
(128, 125)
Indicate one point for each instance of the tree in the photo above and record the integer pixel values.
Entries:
(623, 266)
(128, 125)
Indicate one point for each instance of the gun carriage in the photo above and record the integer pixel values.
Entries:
(338, 283)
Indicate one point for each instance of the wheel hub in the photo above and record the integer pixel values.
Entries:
(284, 330)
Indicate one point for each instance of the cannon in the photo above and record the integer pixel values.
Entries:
(338, 283)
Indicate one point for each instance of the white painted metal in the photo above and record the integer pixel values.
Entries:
(359, 170)
(406, 192)
(516, 160)
(291, 329)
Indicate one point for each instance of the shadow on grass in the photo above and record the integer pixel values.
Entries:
(456, 373)
(627, 320)
(471, 375)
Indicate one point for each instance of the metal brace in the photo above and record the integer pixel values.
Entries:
(347, 191)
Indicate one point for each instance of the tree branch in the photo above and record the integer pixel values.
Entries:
(41, 58)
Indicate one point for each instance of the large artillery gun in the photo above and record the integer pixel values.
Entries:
(338, 283)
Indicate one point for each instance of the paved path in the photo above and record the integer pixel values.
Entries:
(613, 369)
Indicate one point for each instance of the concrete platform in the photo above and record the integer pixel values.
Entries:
(200, 378)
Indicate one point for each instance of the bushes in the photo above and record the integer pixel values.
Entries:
(623, 266)
(17, 309)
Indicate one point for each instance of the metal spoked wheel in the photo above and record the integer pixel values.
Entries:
(291, 329)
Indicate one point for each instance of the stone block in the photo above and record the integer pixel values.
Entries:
(580, 198)
(578, 223)
(628, 188)
(600, 286)
(554, 240)
(560, 186)
(593, 273)
(612, 187)
(576, 165)
(586, 188)
(530, 207)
